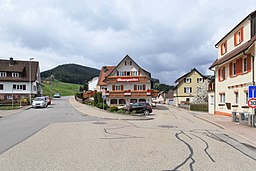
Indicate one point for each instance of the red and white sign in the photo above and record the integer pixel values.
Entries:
(127, 79)
(252, 103)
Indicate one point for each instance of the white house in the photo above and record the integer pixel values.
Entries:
(92, 84)
(234, 67)
(19, 79)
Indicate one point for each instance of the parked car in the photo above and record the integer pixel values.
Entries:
(48, 99)
(39, 102)
(56, 95)
(140, 107)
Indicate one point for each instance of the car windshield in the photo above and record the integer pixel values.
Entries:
(39, 99)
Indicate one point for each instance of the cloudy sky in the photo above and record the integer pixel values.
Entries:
(165, 37)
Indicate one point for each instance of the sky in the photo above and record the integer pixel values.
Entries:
(168, 38)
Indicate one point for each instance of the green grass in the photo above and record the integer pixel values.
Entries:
(9, 107)
(65, 89)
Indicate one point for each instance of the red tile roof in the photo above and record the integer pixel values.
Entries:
(105, 71)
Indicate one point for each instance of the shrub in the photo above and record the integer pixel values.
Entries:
(99, 97)
(199, 107)
(113, 109)
(121, 111)
(100, 106)
(79, 95)
(95, 101)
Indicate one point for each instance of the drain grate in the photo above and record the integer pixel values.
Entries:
(167, 126)
(99, 122)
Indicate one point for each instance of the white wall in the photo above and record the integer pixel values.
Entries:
(8, 88)
(93, 84)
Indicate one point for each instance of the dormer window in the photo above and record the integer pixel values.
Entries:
(3, 74)
(200, 80)
(238, 37)
(15, 74)
(223, 48)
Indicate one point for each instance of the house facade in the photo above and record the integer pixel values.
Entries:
(189, 86)
(126, 83)
(234, 67)
(92, 84)
(18, 79)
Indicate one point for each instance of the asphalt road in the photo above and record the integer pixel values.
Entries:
(174, 140)
(15, 128)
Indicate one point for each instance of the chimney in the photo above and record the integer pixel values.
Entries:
(11, 61)
(105, 69)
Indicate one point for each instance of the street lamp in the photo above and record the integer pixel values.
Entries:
(30, 86)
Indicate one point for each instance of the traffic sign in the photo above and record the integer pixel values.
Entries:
(252, 103)
(104, 96)
(251, 92)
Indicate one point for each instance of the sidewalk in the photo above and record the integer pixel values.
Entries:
(93, 111)
(4, 113)
(246, 132)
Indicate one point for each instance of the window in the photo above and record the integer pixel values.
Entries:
(125, 63)
(113, 101)
(121, 73)
(140, 87)
(221, 74)
(245, 65)
(118, 87)
(15, 74)
(187, 80)
(1, 86)
(222, 98)
(121, 101)
(212, 100)
(199, 89)
(134, 73)
(238, 37)
(187, 89)
(117, 73)
(3, 74)
(9, 97)
(223, 48)
(128, 73)
(236, 98)
(200, 80)
(234, 68)
(246, 98)
(130, 62)
(18, 87)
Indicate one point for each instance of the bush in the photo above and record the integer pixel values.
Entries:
(121, 111)
(113, 109)
(79, 95)
(100, 106)
(199, 107)
(99, 97)
(88, 102)
(95, 102)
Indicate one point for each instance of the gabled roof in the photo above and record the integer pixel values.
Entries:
(128, 57)
(247, 17)
(20, 67)
(234, 52)
(105, 71)
(185, 75)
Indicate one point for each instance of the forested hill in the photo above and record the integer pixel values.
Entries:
(71, 73)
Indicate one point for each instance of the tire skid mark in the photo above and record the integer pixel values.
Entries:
(206, 148)
(190, 155)
(123, 136)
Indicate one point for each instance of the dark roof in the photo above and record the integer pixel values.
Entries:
(247, 17)
(234, 52)
(20, 67)
(127, 56)
(185, 75)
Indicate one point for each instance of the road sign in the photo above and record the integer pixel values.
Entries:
(251, 92)
(104, 96)
(252, 103)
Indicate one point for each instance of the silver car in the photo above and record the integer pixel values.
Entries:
(39, 102)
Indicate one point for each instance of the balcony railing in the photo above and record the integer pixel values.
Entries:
(128, 93)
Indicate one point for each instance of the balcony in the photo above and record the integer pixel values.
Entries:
(129, 93)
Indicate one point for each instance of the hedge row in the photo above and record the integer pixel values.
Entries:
(199, 107)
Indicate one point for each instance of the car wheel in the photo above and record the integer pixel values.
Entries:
(146, 112)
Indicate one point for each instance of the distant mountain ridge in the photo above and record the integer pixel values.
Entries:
(71, 73)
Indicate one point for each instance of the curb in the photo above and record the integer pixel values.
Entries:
(128, 119)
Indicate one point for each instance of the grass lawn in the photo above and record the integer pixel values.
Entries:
(65, 89)
(9, 107)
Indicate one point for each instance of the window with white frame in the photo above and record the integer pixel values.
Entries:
(121, 73)
(18, 87)
(139, 87)
(245, 65)
(15, 74)
(187, 80)
(199, 89)
(3, 74)
(187, 89)
(236, 98)
(200, 80)
(1, 86)
(222, 98)
(118, 87)
(8, 97)
(134, 73)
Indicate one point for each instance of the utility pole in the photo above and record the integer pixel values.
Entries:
(30, 81)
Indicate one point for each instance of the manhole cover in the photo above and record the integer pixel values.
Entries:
(99, 123)
(167, 126)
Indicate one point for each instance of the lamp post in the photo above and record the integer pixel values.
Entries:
(30, 86)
